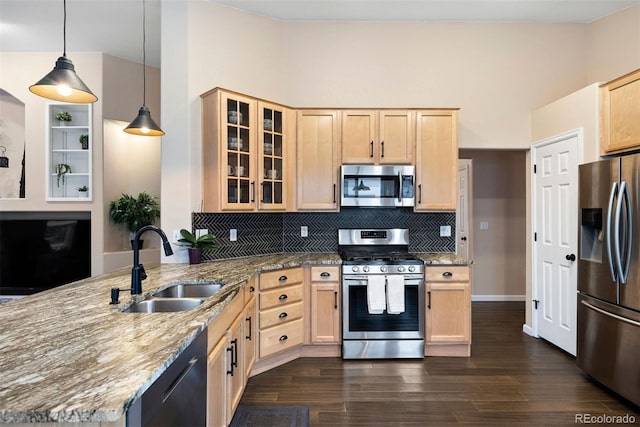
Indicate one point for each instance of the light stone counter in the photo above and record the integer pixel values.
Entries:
(443, 259)
(66, 355)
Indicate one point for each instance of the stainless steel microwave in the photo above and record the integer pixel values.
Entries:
(378, 186)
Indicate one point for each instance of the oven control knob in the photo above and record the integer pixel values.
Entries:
(383, 269)
(412, 268)
(400, 268)
(355, 269)
(365, 269)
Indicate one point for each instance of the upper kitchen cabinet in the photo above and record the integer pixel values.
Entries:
(69, 152)
(377, 137)
(318, 163)
(244, 149)
(437, 160)
(620, 114)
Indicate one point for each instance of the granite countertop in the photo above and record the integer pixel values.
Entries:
(443, 258)
(67, 355)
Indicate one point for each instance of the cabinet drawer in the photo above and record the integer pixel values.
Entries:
(447, 274)
(281, 296)
(280, 315)
(281, 337)
(273, 279)
(319, 274)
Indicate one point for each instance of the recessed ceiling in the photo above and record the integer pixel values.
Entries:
(115, 26)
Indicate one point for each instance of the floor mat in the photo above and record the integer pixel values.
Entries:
(270, 416)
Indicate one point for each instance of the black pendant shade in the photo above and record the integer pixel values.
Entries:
(62, 83)
(144, 124)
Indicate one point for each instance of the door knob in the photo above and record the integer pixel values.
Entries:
(463, 238)
(571, 257)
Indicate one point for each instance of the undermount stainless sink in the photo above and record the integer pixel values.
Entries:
(189, 290)
(160, 305)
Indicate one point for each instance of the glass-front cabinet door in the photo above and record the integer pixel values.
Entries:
(271, 146)
(238, 123)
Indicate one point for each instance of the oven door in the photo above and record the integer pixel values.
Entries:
(359, 324)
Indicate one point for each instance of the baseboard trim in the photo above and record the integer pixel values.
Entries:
(529, 331)
(497, 297)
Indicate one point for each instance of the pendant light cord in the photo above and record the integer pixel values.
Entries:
(144, 54)
(64, 29)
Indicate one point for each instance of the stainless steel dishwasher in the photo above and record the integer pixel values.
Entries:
(178, 397)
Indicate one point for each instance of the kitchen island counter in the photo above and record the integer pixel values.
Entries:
(67, 355)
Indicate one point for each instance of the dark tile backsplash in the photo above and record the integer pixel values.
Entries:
(267, 233)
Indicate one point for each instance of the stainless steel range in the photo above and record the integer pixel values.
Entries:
(382, 295)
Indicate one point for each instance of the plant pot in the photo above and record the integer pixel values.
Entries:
(83, 194)
(85, 145)
(195, 255)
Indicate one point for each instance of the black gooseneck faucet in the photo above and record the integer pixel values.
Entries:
(137, 272)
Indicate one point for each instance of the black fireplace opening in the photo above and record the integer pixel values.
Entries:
(43, 250)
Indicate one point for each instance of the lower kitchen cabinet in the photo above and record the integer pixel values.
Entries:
(281, 310)
(325, 305)
(228, 356)
(448, 311)
(250, 328)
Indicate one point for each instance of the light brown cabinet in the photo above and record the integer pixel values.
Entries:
(448, 311)
(437, 160)
(250, 332)
(281, 312)
(378, 136)
(318, 160)
(620, 114)
(325, 305)
(225, 363)
(244, 153)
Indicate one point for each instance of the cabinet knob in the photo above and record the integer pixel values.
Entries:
(283, 338)
(325, 274)
(283, 315)
(283, 297)
(282, 278)
(447, 274)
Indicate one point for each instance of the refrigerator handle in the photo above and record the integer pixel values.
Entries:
(623, 269)
(612, 197)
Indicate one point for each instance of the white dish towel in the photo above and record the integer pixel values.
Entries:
(395, 294)
(376, 294)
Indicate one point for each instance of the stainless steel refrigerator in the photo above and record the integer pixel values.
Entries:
(608, 347)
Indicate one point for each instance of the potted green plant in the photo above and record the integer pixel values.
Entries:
(135, 212)
(83, 191)
(63, 117)
(84, 141)
(195, 245)
(61, 170)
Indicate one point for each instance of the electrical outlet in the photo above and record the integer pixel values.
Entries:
(201, 231)
(304, 231)
(233, 235)
(176, 236)
(445, 231)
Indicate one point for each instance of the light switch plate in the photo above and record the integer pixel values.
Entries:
(176, 236)
(233, 235)
(484, 225)
(304, 231)
(445, 231)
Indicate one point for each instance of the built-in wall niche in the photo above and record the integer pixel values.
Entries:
(12, 152)
(43, 250)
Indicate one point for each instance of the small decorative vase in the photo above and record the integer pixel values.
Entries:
(195, 255)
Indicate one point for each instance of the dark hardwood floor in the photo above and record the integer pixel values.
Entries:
(510, 379)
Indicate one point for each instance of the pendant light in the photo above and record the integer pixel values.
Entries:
(62, 83)
(144, 124)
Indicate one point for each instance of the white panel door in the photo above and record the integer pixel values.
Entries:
(463, 212)
(556, 242)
